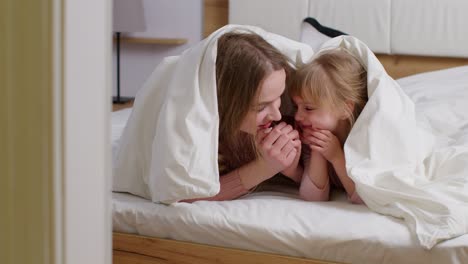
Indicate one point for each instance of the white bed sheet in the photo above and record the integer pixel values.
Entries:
(279, 222)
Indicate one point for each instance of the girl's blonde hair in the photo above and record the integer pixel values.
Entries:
(333, 79)
(243, 61)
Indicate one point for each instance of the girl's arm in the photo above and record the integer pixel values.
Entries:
(330, 147)
(315, 184)
(339, 164)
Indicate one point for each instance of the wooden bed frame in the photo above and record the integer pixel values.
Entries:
(398, 66)
(132, 249)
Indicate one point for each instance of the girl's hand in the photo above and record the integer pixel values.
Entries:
(276, 147)
(326, 143)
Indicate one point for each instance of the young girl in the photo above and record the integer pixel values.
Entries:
(329, 93)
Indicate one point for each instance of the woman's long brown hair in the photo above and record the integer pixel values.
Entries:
(243, 61)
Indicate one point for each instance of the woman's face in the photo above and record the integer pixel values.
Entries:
(266, 109)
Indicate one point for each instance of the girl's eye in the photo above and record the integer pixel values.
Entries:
(309, 109)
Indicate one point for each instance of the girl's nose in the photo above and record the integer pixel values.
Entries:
(297, 116)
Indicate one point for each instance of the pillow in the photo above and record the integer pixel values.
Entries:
(314, 34)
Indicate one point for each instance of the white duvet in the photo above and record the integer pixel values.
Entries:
(409, 162)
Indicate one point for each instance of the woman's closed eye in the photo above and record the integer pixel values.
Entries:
(261, 107)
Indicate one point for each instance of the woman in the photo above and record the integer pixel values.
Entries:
(251, 78)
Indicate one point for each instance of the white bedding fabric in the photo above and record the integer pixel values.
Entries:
(312, 37)
(410, 162)
(334, 231)
(405, 163)
(281, 223)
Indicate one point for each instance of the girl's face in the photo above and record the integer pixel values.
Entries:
(311, 117)
(266, 110)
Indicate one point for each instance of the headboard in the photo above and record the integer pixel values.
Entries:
(409, 36)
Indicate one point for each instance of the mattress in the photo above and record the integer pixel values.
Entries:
(277, 221)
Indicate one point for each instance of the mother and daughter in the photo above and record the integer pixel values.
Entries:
(253, 80)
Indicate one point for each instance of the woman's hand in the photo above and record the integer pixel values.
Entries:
(292, 133)
(277, 149)
(295, 170)
(294, 136)
(325, 143)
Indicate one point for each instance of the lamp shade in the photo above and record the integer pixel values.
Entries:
(128, 16)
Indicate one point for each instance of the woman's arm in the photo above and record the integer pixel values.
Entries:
(239, 181)
(277, 154)
(295, 171)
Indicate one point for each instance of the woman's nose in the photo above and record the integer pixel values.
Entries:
(275, 114)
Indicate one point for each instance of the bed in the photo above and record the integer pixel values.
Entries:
(274, 226)
(276, 220)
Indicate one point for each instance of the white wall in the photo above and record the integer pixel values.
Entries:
(86, 193)
(164, 19)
